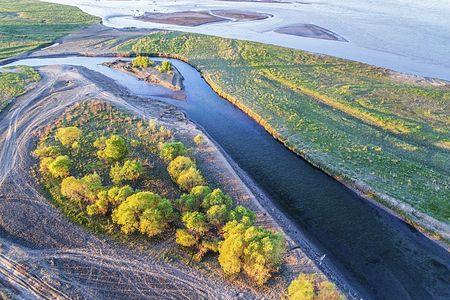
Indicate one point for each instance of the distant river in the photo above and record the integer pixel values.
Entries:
(410, 36)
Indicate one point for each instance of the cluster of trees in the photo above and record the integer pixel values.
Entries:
(142, 62)
(205, 219)
(165, 66)
(311, 287)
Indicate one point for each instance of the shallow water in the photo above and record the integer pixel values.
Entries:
(379, 255)
(409, 36)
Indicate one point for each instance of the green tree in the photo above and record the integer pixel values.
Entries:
(92, 186)
(178, 165)
(72, 188)
(145, 212)
(200, 192)
(217, 197)
(115, 148)
(255, 250)
(184, 238)
(243, 215)
(68, 135)
(141, 62)
(60, 166)
(44, 163)
(195, 222)
(171, 150)
(187, 202)
(301, 288)
(165, 66)
(130, 170)
(47, 151)
(117, 195)
(217, 215)
(190, 178)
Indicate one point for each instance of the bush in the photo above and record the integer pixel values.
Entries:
(243, 215)
(198, 139)
(190, 178)
(165, 66)
(255, 250)
(145, 212)
(185, 239)
(141, 62)
(178, 165)
(217, 215)
(308, 286)
(217, 197)
(195, 222)
(68, 135)
(130, 170)
(171, 150)
(115, 148)
(60, 166)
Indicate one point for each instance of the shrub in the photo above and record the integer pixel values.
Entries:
(145, 212)
(185, 239)
(243, 215)
(171, 150)
(141, 62)
(165, 66)
(195, 222)
(178, 165)
(130, 170)
(255, 250)
(301, 288)
(190, 178)
(217, 197)
(217, 215)
(68, 135)
(198, 139)
(115, 148)
(60, 166)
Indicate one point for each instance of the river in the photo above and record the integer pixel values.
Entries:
(378, 254)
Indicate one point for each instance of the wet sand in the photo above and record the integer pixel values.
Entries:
(310, 31)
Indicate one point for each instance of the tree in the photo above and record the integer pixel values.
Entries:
(217, 215)
(178, 165)
(190, 178)
(171, 150)
(184, 238)
(255, 250)
(195, 222)
(68, 135)
(145, 212)
(301, 288)
(198, 139)
(44, 164)
(141, 62)
(115, 148)
(328, 291)
(187, 202)
(47, 151)
(130, 170)
(72, 188)
(117, 195)
(200, 192)
(60, 166)
(243, 215)
(217, 197)
(92, 186)
(165, 66)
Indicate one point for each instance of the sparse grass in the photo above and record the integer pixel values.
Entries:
(14, 82)
(353, 120)
(28, 24)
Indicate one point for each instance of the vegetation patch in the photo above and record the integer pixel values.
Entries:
(28, 24)
(15, 81)
(119, 174)
(355, 121)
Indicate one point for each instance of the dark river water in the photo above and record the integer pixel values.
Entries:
(379, 255)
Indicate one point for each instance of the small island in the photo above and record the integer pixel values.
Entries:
(162, 73)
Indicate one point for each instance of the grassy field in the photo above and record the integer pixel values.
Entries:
(28, 24)
(357, 122)
(14, 82)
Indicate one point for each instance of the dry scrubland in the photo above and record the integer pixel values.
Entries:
(386, 134)
(28, 24)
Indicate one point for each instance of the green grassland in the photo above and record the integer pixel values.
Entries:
(355, 121)
(14, 81)
(28, 24)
